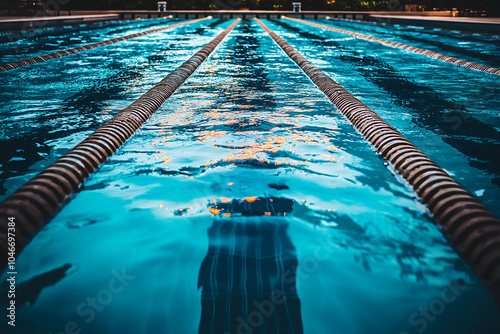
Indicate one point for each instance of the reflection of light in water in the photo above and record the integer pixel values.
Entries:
(253, 145)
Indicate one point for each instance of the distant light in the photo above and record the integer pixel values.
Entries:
(328, 17)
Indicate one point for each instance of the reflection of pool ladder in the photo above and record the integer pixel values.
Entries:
(410, 48)
(40, 59)
(474, 231)
(34, 204)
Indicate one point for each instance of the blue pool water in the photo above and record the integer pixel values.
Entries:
(247, 203)
(479, 49)
(15, 46)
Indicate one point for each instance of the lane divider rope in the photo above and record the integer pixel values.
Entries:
(413, 49)
(472, 229)
(62, 53)
(34, 204)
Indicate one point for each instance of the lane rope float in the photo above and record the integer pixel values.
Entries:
(34, 204)
(62, 53)
(413, 49)
(471, 228)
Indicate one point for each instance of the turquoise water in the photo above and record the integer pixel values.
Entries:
(449, 112)
(471, 47)
(17, 46)
(247, 203)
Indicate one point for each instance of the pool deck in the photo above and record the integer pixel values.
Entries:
(443, 19)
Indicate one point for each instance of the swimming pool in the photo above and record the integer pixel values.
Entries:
(247, 202)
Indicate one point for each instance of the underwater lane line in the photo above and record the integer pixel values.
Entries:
(472, 229)
(413, 49)
(62, 53)
(34, 204)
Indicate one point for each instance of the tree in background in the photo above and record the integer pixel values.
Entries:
(360, 5)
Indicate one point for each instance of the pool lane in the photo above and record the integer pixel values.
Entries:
(86, 47)
(478, 49)
(40, 44)
(33, 32)
(85, 27)
(446, 111)
(50, 107)
(410, 48)
(248, 171)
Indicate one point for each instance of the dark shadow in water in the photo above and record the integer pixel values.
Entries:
(201, 30)
(248, 275)
(216, 23)
(27, 292)
(477, 140)
(255, 206)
